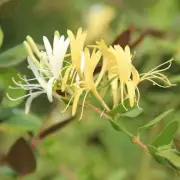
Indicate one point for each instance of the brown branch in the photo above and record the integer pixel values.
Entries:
(52, 129)
(106, 116)
(135, 139)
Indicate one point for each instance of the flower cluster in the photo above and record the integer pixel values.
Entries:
(68, 66)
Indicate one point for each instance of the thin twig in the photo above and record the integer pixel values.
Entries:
(135, 139)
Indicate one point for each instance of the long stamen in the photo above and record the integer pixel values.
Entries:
(153, 70)
(155, 83)
(25, 85)
(138, 97)
(73, 77)
(15, 99)
(25, 79)
(68, 103)
(160, 77)
(26, 88)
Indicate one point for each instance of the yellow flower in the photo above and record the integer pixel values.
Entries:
(108, 63)
(91, 62)
(76, 45)
(86, 83)
(124, 69)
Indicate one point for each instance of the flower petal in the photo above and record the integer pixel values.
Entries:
(55, 43)
(47, 45)
(49, 89)
(35, 71)
(131, 92)
(76, 100)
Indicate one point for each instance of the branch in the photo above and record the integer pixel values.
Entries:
(135, 139)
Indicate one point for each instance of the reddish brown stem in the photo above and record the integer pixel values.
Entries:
(135, 140)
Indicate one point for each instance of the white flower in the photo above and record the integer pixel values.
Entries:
(56, 54)
(40, 88)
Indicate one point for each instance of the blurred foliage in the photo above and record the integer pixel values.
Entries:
(91, 149)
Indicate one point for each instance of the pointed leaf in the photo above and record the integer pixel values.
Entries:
(153, 150)
(119, 109)
(155, 121)
(132, 113)
(13, 56)
(23, 121)
(120, 127)
(166, 136)
(172, 156)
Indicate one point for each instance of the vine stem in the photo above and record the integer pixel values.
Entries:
(135, 139)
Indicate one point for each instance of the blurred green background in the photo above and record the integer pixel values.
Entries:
(89, 149)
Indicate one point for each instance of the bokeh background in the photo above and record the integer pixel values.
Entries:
(89, 149)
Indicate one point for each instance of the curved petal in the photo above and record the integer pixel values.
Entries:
(47, 45)
(35, 71)
(30, 99)
(131, 92)
(49, 89)
(55, 43)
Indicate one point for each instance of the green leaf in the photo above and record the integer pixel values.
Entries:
(153, 150)
(120, 127)
(121, 111)
(166, 136)
(132, 113)
(172, 156)
(23, 121)
(1, 37)
(155, 121)
(5, 113)
(13, 56)
(106, 83)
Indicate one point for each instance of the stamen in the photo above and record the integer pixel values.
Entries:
(15, 99)
(68, 103)
(155, 83)
(153, 70)
(25, 85)
(138, 97)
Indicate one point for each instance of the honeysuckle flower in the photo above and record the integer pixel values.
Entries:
(56, 54)
(91, 61)
(124, 69)
(50, 61)
(77, 45)
(86, 82)
(78, 89)
(76, 78)
(108, 63)
(35, 89)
